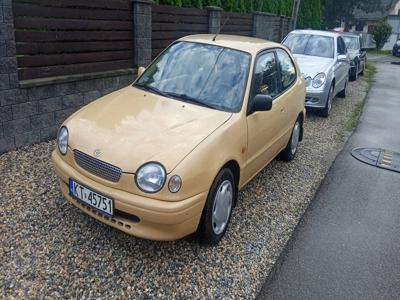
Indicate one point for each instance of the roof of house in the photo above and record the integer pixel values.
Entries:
(377, 15)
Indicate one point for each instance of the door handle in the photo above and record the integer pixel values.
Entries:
(283, 110)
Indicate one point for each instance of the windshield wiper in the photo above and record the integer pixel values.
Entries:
(152, 89)
(183, 97)
(187, 98)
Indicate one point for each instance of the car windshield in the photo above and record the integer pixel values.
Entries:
(202, 74)
(352, 42)
(308, 44)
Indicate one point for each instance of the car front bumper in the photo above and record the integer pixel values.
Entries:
(136, 215)
(316, 99)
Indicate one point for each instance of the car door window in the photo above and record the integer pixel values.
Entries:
(265, 79)
(287, 68)
(341, 46)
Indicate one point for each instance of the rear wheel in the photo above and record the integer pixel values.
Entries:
(290, 151)
(326, 111)
(217, 211)
(363, 69)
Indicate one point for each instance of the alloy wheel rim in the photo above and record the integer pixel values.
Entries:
(222, 206)
(295, 137)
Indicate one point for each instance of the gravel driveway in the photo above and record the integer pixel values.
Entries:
(50, 249)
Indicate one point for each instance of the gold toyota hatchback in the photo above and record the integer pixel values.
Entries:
(166, 156)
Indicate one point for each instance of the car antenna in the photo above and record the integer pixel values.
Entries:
(219, 30)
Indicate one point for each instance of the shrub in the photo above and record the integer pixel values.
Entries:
(381, 34)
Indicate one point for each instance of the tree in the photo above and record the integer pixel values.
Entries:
(310, 14)
(381, 34)
(336, 11)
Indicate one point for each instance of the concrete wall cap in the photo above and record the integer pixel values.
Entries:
(217, 8)
(263, 13)
(143, 1)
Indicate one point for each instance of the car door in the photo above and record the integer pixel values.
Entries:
(288, 78)
(265, 129)
(341, 71)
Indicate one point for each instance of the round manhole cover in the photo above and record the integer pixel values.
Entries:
(377, 157)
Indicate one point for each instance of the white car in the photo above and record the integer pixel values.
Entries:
(325, 63)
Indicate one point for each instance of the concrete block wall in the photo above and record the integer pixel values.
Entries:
(32, 112)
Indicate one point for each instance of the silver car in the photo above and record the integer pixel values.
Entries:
(324, 62)
(358, 54)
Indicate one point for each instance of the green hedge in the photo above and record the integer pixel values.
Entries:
(309, 16)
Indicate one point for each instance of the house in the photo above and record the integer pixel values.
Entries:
(364, 22)
(394, 21)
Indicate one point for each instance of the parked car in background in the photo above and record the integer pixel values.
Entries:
(396, 48)
(166, 156)
(324, 61)
(358, 54)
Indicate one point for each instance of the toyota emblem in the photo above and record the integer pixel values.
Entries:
(97, 153)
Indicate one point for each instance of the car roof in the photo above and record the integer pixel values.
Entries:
(349, 34)
(243, 43)
(317, 32)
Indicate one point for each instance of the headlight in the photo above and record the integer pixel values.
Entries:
(62, 140)
(308, 81)
(319, 80)
(150, 177)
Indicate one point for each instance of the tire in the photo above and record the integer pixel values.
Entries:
(354, 77)
(289, 153)
(209, 233)
(326, 111)
(342, 93)
(363, 69)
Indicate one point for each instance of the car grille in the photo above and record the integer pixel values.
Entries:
(97, 167)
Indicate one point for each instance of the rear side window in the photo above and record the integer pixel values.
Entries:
(266, 76)
(287, 68)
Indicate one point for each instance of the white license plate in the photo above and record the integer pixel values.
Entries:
(91, 198)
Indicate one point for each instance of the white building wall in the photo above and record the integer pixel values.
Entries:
(396, 9)
(394, 21)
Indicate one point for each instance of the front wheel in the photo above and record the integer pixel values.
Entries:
(342, 93)
(217, 211)
(289, 153)
(326, 111)
(354, 77)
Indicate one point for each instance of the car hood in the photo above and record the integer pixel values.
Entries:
(353, 54)
(310, 66)
(131, 127)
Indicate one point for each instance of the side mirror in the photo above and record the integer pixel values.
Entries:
(261, 102)
(342, 58)
(140, 71)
